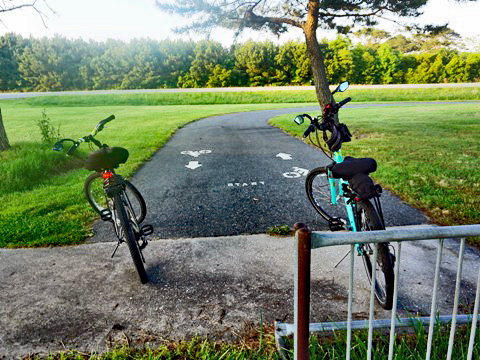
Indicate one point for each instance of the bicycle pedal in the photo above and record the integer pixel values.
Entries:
(143, 244)
(336, 224)
(146, 230)
(106, 215)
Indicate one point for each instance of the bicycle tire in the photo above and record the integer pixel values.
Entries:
(129, 237)
(384, 280)
(318, 191)
(93, 190)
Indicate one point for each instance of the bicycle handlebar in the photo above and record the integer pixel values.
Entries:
(58, 146)
(309, 130)
(325, 124)
(101, 124)
(344, 101)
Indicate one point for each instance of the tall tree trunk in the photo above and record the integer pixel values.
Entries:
(322, 90)
(3, 135)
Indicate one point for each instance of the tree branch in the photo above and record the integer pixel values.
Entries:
(373, 13)
(252, 17)
(6, 6)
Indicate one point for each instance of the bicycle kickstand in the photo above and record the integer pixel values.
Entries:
(116, 248)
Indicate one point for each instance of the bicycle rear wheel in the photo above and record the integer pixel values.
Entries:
(368, 220)
(93, 190)
(127, 234)
(318, 191)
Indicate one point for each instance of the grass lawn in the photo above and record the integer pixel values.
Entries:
(428, 155)
(258, 97)
(41, 192)
(262, 346)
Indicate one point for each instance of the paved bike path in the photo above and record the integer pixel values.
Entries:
(236, 174)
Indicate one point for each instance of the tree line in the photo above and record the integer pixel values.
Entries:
(52, 64)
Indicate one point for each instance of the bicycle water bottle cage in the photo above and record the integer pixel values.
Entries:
(336, 224)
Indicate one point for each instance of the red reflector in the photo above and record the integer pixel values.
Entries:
(107, 175)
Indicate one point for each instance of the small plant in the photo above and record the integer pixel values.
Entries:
(47, 130)
(279, 230)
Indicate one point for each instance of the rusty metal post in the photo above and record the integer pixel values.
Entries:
(302, 292)
(298, 226)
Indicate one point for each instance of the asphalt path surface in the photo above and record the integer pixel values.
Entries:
(243, 177)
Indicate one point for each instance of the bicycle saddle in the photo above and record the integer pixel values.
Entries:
(106, 158)
(352, 166)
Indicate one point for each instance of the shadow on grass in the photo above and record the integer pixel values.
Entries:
(27, 165)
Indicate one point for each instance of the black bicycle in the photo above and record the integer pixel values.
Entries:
(114, 198)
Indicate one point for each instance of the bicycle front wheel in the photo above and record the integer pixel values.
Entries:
(127, 234)
(368, 220)
(318, 191)
(93, 190)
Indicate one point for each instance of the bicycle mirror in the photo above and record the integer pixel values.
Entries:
(298, 120)
(58, 146)
(343, 86)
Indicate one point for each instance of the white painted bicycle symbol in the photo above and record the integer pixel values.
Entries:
(296, 173)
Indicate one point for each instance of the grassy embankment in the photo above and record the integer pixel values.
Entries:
(41, 191)
(428, 155)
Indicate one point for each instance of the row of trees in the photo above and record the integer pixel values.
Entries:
(60, 64)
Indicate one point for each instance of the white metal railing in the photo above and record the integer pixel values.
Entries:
(306, 240)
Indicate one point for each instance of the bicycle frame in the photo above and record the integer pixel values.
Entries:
(352, 224)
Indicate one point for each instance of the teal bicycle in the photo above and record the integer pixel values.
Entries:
(346, 180)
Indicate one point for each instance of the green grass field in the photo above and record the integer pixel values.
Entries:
(428, 155)
(258, 97)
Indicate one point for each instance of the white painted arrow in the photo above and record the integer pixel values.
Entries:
(284, 156)
(193, 165)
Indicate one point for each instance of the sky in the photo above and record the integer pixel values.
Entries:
(129, 19)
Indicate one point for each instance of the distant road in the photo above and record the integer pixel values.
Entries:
(18, 95)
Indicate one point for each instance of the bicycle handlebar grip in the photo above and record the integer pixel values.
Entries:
(101, 124)
(104, 121)
(309, 130)
(110, 118)
(344, 101)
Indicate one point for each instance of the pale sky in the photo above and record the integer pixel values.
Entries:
(129, 19)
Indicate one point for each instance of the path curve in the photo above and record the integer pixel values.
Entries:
(223, 176)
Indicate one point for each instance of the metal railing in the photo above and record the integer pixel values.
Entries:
(306, 240)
